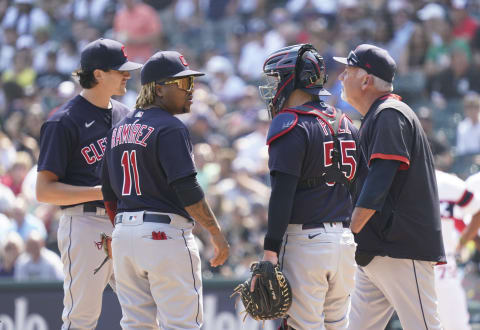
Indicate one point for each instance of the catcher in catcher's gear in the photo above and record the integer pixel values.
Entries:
(313, 161)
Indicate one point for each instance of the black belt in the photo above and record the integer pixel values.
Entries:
(148, 217)
(91, 208)
(345, 224)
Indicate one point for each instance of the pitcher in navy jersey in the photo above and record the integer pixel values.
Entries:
(396, 218)
(313, 163)
(72, 144)
(150, 190)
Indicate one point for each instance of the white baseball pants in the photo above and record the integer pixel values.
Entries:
(387, 284)
(320, 266)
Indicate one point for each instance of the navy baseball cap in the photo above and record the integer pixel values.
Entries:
(165, 65)
(373, 59)
(106, 54)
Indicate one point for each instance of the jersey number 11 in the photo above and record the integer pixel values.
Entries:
(129, 164)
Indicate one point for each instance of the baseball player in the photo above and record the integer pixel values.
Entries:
(455, 201)
(396, 218)
(312, 160)
(149, 169)
(72, 144)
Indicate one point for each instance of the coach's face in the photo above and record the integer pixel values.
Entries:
(351, 84)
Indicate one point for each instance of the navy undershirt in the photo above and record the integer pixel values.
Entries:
(377, 184)
(280, 209)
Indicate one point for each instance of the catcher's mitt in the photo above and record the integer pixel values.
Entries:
(272, 295)
(106, 242)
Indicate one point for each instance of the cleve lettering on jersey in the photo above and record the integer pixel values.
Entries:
(94, 152)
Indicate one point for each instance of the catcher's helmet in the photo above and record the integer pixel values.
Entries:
(294, 67)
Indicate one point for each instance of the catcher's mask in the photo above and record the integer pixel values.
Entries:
(298, 66)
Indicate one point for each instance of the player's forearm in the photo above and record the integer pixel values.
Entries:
(202, 213)
(360, 218)
(58, 193)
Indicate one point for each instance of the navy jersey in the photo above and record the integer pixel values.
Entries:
(408, 226)
(146, 152)
(73, 141)
(303, 149)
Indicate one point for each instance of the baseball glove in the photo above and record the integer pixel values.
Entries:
(106, 242)
(272, 294)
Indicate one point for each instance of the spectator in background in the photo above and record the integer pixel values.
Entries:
(26, 17)
(468, 131)
(11, 247)
(464, 25)
(8, 153)
(89, 10)
(38, 263)
(137, 26)
(7, 47)
(22, 71)
(24, 222)
(223, 81)
(7, 199)
(67, 57)
(48, 75)
(43, 47)
(17, 172)
(458, 78)
(437, 141)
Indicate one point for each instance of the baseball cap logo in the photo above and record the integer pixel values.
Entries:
(182, 59)
(124, 52)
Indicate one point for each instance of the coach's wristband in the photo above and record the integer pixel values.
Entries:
(272, 245)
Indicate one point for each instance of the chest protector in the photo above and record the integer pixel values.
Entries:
(286, 120)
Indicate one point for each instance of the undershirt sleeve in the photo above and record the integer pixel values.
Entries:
(279, 209)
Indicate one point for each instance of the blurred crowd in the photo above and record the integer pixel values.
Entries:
(436, 46)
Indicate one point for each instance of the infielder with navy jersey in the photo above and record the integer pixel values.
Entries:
(313, 162)
(72, 144)
(396, 218)
(149, 183)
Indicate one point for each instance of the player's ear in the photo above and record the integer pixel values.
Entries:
(98, 75)
(159, 91)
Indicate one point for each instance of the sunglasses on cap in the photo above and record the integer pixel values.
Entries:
(185, 83)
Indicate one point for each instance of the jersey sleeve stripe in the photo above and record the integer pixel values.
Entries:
(405, 161)
(465, 199)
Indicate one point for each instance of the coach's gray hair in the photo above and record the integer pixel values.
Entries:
(380, 84)
(146, 96)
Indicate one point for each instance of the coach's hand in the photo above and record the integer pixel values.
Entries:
(221, 249)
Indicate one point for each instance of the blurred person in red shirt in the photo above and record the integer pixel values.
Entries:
(138, 27)
(17, 172)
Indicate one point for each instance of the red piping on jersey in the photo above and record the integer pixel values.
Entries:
(391, 96)
(273, 138)
(466, 202)
(404, 160)
(309, 113)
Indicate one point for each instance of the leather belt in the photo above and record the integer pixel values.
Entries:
(345, 224)
(148, 217)
(91, 208)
